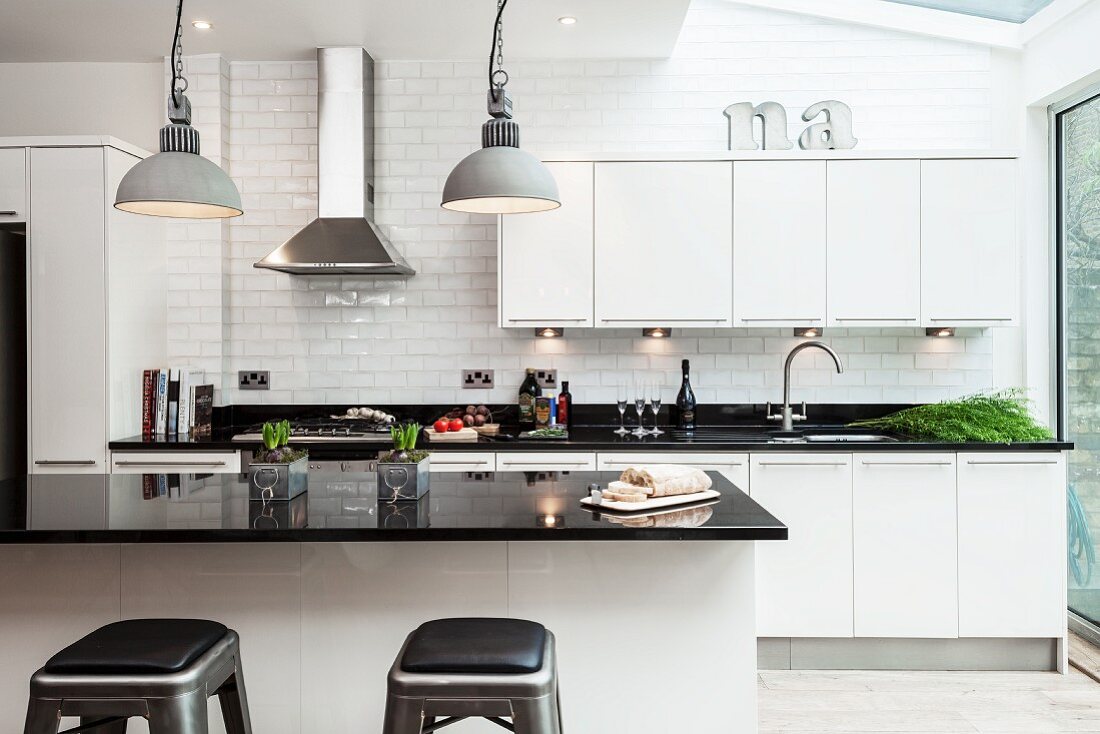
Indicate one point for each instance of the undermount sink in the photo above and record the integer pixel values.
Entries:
(758, 435)
(845, 437)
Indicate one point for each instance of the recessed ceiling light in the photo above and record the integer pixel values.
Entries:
(202, 25)
(567, 20)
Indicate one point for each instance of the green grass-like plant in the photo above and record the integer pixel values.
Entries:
(997, 417)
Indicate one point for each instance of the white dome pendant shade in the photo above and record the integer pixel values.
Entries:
(178, 182)
(500, 178)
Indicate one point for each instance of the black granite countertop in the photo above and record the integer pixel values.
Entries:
(345, 507)
(601, 438)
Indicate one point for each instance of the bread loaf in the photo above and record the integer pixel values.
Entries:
(629, 488)
(666, 480)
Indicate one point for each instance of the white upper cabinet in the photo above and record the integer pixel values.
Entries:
(779, 243)
(906, 580)
(804, 583)
(13, 185)
(1012, 545)
(663, 243)
(546, 259)
(968, 242)
(874, 259)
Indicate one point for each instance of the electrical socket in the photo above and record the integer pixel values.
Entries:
(254, 380)
(547, 379)
(477, 379)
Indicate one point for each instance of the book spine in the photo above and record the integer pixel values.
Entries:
(173, 401)
(146, 404)
(162, 403)
(184, 426)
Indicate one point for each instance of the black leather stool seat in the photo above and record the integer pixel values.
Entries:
(475, 645)
(138, 646)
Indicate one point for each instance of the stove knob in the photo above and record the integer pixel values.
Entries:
(334, 432)
(347, 431)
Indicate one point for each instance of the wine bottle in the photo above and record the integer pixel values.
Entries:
(528, 391)
(685, 401)
(565, 406)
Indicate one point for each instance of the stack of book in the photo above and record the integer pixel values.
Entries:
(174, 402)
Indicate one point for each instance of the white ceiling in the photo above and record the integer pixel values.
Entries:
(141, 30)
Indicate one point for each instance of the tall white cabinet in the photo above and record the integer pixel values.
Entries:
(97, 305)
(13, 185)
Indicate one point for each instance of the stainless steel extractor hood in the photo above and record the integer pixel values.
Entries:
(342, 240)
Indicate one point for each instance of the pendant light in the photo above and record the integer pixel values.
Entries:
(177, 181)
(500, 178)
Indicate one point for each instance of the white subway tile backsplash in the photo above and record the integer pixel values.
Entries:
(357, 340)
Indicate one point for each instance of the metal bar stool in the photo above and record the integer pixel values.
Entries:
(161, 669)
(454, 669)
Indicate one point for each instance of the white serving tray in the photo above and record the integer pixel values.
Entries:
(651, 504)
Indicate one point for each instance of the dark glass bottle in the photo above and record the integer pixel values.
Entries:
(565, 406)
(528, 391)
(685, 401)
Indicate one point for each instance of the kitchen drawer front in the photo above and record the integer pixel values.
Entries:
(461, 461)
(734, 467)
(13, 185)
(176, 462)
(546, 461)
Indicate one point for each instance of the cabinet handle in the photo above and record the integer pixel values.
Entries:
(651, 321)
(59, 462)
(790, 318)
(876, 318)
(505, 462)
(906, 463)
(972, 462)
(460, 463)
(542, 321)
(803, 463)
(966, 320)
(634, 463)
(170, 463)
(8, 213)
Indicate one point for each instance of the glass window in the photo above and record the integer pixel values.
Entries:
(1078, 146)
(1014, 11)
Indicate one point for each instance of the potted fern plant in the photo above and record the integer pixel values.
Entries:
(277, 471)
(403, 472)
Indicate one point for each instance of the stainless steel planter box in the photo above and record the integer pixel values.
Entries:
(403, 482)
(278, 481)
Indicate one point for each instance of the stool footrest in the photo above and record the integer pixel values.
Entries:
(93, 725)
(501, 722)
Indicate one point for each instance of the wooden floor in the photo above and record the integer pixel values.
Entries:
(815, 702)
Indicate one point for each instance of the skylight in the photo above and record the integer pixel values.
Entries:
(1013, 11)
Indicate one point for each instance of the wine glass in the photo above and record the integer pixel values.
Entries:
(639, 407)
(620, 400)
(655, 407)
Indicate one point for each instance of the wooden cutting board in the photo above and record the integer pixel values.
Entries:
(466, 435)
(676, 499)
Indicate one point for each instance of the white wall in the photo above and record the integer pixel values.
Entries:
(123, 100)
(1063, 59)
(350, 340)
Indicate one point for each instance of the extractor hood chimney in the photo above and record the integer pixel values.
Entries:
(343, 239)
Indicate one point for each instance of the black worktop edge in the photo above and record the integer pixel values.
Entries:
(376, 535)
(580, 444)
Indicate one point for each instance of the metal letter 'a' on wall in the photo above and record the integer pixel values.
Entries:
(833, 134)
(773, 126)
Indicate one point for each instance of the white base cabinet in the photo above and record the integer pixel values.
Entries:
(13, 185)
(904, 533)
(1012, 545)
(804, 584)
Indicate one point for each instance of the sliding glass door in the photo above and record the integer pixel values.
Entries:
(1077, 130)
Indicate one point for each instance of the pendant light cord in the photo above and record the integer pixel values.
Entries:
(496, 53)
(177, 57)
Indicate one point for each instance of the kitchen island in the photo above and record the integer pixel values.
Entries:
(655, 635)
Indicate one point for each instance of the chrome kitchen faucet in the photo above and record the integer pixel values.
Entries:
(787, 415)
